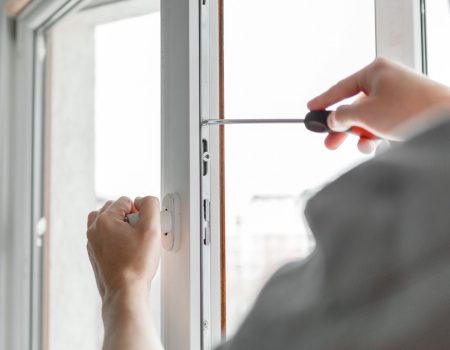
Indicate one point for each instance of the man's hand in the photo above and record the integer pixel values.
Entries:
(390, 95)
(125, 258)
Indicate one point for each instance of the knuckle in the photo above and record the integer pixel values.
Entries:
(124, 199)
(103, 222)
(152, 200)
(380, 64)
(106, 206)
(92, 215)
(150, 203)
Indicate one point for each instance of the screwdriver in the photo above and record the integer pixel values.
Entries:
(315, 121)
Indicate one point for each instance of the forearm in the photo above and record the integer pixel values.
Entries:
(128, 322)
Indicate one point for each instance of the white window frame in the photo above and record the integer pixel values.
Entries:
(190, 91)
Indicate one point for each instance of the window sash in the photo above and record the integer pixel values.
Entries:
(398, 36)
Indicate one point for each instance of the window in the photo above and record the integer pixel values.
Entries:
(44, 61)
(276, 57)
(438, 34)
(102, 141)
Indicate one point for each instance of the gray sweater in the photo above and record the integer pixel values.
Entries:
(379, 277)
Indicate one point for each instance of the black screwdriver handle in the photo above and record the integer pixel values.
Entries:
(317, 121)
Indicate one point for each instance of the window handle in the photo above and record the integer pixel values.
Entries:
(170, 222)
(315, 121)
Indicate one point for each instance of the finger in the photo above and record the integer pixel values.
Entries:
(149, 210)
(91, 218)
(362, 97)
(366, 145)
(348, 87)
(105, 206)
(120, 208)
(334, 140)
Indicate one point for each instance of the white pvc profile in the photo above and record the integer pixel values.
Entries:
(399, 31)
(181, 320)
(210, 184)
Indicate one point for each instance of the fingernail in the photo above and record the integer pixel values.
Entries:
(331, 120)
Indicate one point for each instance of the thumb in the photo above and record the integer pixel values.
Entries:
(347, 116)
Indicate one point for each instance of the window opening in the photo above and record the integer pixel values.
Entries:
(268, 68)
(437, 33)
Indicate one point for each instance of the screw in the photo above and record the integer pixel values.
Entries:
(205, 325)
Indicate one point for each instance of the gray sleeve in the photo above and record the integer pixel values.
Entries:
(378, 277)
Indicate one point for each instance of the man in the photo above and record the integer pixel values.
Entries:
(379, 277)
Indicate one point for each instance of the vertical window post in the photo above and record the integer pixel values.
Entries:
(399, 31)
(181, 292)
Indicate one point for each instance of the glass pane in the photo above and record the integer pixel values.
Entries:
(271, 171)
(103, 137)
(280, 53)
(277, 56)
(438, 38)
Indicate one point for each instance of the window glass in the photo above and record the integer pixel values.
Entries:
(438, 39)
(278, 55)
(103, 141)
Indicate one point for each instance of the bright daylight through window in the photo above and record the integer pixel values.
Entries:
(438, 32)
(276, 57)
(103, 141)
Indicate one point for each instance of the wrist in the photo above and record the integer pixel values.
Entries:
(125, 298)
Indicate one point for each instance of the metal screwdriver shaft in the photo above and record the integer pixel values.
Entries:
(315, 121)
(251, 121)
